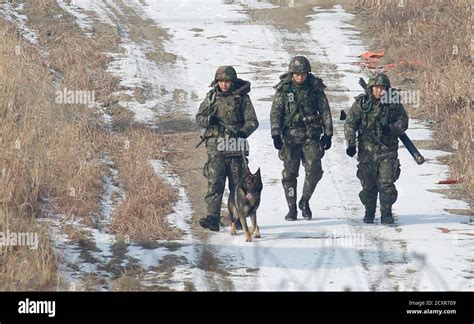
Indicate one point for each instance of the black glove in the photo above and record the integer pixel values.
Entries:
(277, 142)
(385, 129)
(326, 142)
(212, 120)
(351, 151)
(240, 134)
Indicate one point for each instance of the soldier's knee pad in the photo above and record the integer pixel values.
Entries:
(388, 195)
(368, 197)
(386, 185)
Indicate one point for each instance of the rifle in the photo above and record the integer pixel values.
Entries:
(213, 112)
(205, 136)
(419, 159)
(374, 138)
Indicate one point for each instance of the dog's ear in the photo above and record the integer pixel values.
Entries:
(258, 172)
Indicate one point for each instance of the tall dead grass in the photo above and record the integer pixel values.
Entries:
(437, 34)
(50, 152)
(148, 197)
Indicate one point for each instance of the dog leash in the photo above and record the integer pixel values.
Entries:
(244, 160)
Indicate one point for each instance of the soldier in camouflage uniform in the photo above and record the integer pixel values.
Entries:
(229, 118)
(301, 128)
(376, 123)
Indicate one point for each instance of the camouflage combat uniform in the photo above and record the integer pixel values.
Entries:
(299, 116)
(229, 118)
(369, 121)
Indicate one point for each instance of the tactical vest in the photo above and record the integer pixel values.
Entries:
(373, 117)
(229, 110)
(301, 119)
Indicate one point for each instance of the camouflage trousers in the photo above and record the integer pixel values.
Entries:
(310, 154)
(378, 178)
(217, 170)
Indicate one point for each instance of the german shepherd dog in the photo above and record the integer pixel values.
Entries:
(244, 201)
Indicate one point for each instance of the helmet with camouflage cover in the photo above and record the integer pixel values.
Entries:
(380, 79)
(225, 73)
(299, 64)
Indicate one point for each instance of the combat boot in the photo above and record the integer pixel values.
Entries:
(369, 216)
(305, 210)
(292, 213)
(211, 222)
(290, 195)
(387, 217)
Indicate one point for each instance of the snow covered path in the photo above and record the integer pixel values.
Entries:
(334, 251)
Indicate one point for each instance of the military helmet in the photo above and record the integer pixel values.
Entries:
(380, 79)
(299, 64)
(225, 73)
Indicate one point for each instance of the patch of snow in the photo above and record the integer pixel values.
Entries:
(255, 4)
(82, 19)
(11, 12)
(181, 215)
(79, 9)
(147, 257)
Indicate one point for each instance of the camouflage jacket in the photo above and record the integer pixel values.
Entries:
(300, 113)
(235, 112)
(364, 123)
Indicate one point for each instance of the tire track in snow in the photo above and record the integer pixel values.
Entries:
(375, 256)
(400, 268)
(269, 256)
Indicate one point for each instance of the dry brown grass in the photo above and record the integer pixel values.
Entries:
(55, 152)
(148, 197)
(436, 33)
(49, 151)
(25, 107)
(73, 133)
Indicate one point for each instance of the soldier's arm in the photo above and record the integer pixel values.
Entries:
(250, 117)
(276, 113)
(325, 113)
(352, 124)
(401, 125)
(202, 115)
